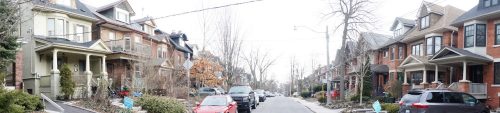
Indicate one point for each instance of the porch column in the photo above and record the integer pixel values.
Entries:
(435, 83)
(88, 74)
(350, 83)
(356, 78)
(104, 72)
(405, 79)
(54, 84)
(463, 85)
(464, 73)
(406, 86)
(424, 81)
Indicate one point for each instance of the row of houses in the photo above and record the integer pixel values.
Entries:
(443, 47)
(97, 43)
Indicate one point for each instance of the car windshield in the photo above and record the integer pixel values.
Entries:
(214, 101)
(239, 90)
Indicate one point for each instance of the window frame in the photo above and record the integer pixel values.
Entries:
(424, 22)
(496, 73)
(393, 51)
(109, 35)
(125, 13)
(471, 35)
(497, 34)
(81, 34)
(400, 52)
(478, 34)
(433, 45)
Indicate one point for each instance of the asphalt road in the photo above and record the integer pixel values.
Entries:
(280, 105)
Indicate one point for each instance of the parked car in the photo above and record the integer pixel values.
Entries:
(207, 91)
(261, 95)
(268, 94)
(216, 104)
(440, 101)
(244, 96)
(221, 90)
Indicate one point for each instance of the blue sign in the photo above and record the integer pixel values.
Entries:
(128, 102)
(376, 106)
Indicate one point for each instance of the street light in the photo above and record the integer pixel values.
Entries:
(328, 84)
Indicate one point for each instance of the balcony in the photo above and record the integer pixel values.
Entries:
(127, 46)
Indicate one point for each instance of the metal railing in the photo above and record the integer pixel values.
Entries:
(45, 98)
(453, 86)
(477, 88)
(129, 47)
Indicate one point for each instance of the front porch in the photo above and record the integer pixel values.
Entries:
(469, 65)
(87, 65)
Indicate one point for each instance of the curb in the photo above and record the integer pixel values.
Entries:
(305, 106)
(79, 107)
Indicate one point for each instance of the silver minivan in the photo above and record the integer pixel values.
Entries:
(440, 101)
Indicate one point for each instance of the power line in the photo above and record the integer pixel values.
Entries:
(200, 10)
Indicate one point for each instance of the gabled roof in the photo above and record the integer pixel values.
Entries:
(451, 52)
(114, 4)
(374, 40)
(179, 47)
(478, 13)
(397, 39)
(104, 19)
(434, 8)
(404, 21)
(412, 59)
(441, 25)
(81, 9)
(144, 20)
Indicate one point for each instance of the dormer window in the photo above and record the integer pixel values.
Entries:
(424, 22)
(122, 15)
(398, 32)
(488, 3)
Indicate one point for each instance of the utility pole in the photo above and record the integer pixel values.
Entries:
(328, 82)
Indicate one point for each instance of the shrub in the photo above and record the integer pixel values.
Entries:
(156, 104)
(305, 94)
(320, 96)
(319, 88)
(66, 81)
(355, 98)
(390, 107)
(394, 88)
(18, 102)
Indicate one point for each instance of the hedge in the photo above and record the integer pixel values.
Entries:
(156, 104)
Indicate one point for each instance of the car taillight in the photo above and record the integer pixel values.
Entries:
(419, 105)
(401, 103)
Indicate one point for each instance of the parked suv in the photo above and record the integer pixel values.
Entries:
(244, 96)
(440, 101)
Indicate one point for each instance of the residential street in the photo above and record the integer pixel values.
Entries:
(281, 104)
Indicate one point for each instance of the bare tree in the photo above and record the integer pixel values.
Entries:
(252, 60)
(229, 45)
(265, 62)
(257, 61)
(361, 67)
(356, 15)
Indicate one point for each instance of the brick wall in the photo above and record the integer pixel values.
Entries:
(18, 72)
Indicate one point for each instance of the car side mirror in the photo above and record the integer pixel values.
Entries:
(197, 103)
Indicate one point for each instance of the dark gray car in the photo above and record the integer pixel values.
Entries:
(440, 101)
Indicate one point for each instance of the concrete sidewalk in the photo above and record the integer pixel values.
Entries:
(315, 107)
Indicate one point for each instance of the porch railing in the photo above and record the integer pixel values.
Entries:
(129, 47)
(477, 88)
(453, 86)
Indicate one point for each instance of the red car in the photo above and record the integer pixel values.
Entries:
(216, 104)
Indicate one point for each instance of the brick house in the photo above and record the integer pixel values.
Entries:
(431, 34)
(474, 61)
(390, 54)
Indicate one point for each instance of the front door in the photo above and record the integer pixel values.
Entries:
(476, 73)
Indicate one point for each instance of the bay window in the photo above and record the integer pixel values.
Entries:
(55, 27)
(400, 52)
(475, 35)
(433, 45)
(415, 50)
(79, 33)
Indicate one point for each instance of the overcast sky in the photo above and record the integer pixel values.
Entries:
(269, 25)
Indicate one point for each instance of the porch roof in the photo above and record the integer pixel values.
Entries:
(449, 55)
(94, 46)
(379, 68)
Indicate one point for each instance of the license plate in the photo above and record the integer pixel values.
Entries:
(407, 111)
